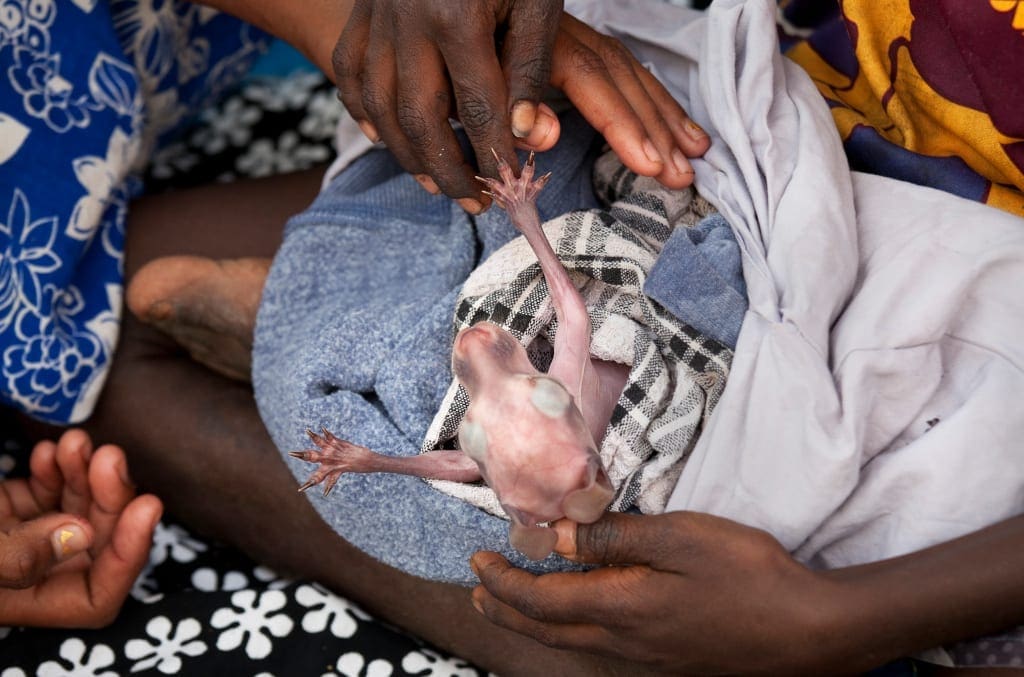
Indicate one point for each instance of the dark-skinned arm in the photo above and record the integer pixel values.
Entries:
(694, 593)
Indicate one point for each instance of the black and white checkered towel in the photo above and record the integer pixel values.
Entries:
(676, 375)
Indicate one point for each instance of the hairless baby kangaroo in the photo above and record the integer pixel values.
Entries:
(531, 436)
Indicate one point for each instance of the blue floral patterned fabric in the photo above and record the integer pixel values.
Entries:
(88, 88)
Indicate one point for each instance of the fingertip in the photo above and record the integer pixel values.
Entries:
(369, 130)
(110, 485)
(75, 441)
(477, 598)
(484, 559)
(678, 173)
(111, 457)
(651, 153)
(544, 133)
(523, 118)
(69, 539)
(133, 534)
(44, 450)
(471, 205)
(74, 452)
(43, 464)
(150, 510)
(681, 164)
(694, 131)
(637, 153)
(428, 183)
(487, 565)
(691, 137)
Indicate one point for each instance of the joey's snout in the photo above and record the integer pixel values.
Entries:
(486, 354)
(483, 339)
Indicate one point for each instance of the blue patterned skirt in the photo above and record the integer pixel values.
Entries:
(88, 88)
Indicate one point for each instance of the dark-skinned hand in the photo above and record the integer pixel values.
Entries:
(405, 67)
(680, 592)
(73, 536)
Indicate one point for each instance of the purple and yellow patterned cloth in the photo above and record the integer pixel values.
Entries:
(926, 91)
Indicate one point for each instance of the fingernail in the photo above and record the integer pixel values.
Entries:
(651, 152)
(369, 130)
(470, 205)
(476, 604)
(543, 125)
(428, 184)
(681, 163)
(693, 130)
(122, 472)
(524, 114)
(160, 310)
(566, 543)
(84, 445)
(68, 540)
(474, 566)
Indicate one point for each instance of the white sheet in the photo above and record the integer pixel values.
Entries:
(874, 403)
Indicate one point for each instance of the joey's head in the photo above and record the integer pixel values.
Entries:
(485, 354)
(528, 437)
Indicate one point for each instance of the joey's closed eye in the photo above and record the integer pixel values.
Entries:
(473, 440)
(549, 397)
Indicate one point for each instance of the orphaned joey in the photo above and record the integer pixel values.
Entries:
(531, 436)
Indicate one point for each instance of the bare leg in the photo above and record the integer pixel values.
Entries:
(209, 457)
(207, 306)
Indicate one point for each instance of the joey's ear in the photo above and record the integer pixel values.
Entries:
(586, 505)
(525, 536)
(533, 541)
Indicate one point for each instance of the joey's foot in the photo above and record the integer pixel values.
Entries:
(208, 307)
(336, 457)
(511, 192)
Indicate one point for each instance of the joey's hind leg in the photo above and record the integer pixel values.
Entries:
(337, 457)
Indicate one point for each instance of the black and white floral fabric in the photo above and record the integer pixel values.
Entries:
(273, 125)
(200, 608)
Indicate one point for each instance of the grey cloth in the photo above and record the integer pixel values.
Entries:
(354, 334)
(699, 279)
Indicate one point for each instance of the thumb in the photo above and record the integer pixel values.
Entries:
(526, 59)
(32, 548)
(618, 538)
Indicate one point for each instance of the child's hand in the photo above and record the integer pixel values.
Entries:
(73, 536)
